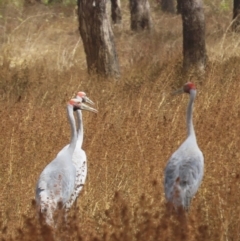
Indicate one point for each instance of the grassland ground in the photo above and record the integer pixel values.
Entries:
(139, 125)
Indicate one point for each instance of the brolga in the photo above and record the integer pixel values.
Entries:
(57, 181)
(79, 158)
(184, 170)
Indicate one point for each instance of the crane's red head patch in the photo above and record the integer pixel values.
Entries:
(189, 86)
(71, 102)
(74, 102)
(81, 94)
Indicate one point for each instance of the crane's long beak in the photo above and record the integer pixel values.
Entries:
(87, 100)
(177, 92)
(88, 108)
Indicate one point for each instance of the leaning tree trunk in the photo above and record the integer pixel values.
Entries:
(168, 6)
(194, 49)
(140, 15)
(236, 16)
(179, 6)
(116, 11)
(97, 36)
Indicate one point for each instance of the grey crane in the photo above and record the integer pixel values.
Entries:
(79, 158)
(56, 182)
(185, 168)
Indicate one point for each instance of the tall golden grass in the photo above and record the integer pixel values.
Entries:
(139, 125)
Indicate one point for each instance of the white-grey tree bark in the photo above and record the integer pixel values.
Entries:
(194, 49)
(97, 36)
(116, 11)
(140, 15)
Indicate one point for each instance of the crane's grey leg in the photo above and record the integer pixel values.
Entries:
(187, 203)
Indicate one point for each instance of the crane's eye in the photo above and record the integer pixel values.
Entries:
(186, 88)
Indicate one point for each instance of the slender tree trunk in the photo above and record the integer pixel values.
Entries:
(97, 36)
(140, 15)
(236, 16)
(116, 11)
(179, 6)
(168, 6)
(194, 49)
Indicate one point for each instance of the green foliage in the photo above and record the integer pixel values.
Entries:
(64, 2)
(20, 3)
(16, 3)
(224, 5)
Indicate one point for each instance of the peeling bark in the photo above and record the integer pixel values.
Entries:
(236, 16)
(97, 36)
(194, 49)
(116, 11)
(140, 15)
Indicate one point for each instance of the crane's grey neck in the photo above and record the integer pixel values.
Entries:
(72, 122)
(80, 127)
(190, 127)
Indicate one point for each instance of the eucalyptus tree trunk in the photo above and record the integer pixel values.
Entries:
(97, 36)
(179, 6)
(116, 11)
(168, 6)
(236, 16)
(140, 15)
(194, 49)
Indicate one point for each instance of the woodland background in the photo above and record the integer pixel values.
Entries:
(139, 124)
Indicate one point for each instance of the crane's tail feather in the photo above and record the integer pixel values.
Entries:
(46, 207)
(187, 202)
(177, 196)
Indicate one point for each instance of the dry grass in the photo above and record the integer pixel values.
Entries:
(129, 142)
